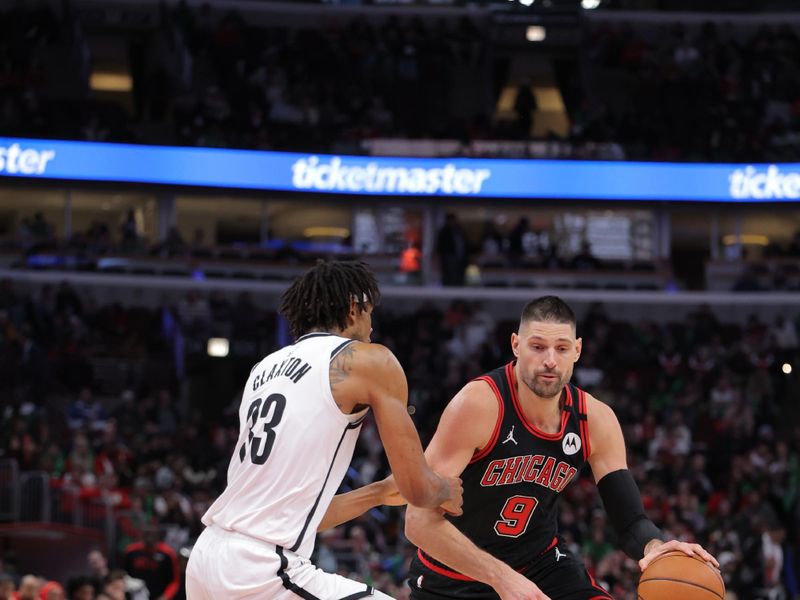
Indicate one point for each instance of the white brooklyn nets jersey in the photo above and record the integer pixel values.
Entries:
(294, 447)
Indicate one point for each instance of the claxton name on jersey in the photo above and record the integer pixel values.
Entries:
(289, 367)
(531, 468)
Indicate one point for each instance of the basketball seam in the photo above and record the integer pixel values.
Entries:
(702, 587)
(683, 555)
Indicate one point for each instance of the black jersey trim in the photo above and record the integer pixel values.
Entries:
(512, 384)
(500, 413)
(288, 583)
(305, 594)
(340, 347)
(299, 541)
(365, 594)
(313, 334)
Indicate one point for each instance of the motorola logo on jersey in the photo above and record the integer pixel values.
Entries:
(536, 468)
(571, 443)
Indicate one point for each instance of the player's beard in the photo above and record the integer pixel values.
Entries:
(544, 388)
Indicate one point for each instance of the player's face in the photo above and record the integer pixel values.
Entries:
(361, 323)
(546, 354)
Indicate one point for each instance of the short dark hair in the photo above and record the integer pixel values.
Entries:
(551, 309)
(113, 576)
(76, 583)
(320, 298)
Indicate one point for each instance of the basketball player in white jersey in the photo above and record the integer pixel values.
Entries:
(300, 416)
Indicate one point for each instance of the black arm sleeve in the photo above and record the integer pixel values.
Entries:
(623, 504)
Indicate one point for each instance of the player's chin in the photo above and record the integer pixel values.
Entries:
(548, 388)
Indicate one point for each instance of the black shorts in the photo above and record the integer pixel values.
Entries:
(557, 572)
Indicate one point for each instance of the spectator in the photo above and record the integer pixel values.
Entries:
(113, 586)
(524, 107)
(80, 588)
(86, 412)
(52, 590)
(155, 563)
(6, 587)
(130, 237)
(135, 589)
(451, 245)
(29, 587)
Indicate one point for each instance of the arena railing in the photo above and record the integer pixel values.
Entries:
(34, 497)
(623, 304)
(9, 490)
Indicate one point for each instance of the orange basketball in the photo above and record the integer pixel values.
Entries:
(679, 576)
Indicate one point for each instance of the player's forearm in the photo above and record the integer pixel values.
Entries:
(437, 537)
(425, 489)
(348, 506)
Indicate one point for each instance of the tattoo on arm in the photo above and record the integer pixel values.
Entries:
(341, 365)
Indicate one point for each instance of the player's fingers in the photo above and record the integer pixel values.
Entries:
(705, 555)
(687, 548)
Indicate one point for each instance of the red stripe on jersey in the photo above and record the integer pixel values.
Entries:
(605, 595)
(552, 545)
(455, 575)
(512, 383)
(496, 433)
(442, 570)
(587, 447)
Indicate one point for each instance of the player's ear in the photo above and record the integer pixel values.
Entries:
(515, 344)
(578, 348)
(352, 314)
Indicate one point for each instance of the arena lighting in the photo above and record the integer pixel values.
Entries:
(787, 369)
(218, 347)
(590, 4)
(101, 81)
(321, 231)
(535, 33)
(754, 239)
(524, 2)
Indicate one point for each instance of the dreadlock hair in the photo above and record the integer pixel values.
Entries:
(550, 309)
(320, 299)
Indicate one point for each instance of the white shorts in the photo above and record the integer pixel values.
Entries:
(231, 566)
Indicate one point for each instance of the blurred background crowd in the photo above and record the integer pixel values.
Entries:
(709, 415)
(204, 77)
(117, 412)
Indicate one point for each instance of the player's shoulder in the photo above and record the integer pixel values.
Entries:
(598, 412)
(476, 399)
(368, 361)
(369, 354)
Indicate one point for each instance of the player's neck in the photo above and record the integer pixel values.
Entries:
(542, 413)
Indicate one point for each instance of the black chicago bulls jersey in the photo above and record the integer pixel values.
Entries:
(512, 486)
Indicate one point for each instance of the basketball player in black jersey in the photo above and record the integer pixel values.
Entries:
(517, 436)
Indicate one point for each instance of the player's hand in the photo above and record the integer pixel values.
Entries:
(515, 586)
(455, 493)
(390, 495)
(656, 550)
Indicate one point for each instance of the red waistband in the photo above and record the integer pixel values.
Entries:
(441, 570)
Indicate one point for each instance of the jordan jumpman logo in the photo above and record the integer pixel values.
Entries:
(510, 437)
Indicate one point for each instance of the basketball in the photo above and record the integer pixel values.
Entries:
(677, 575)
